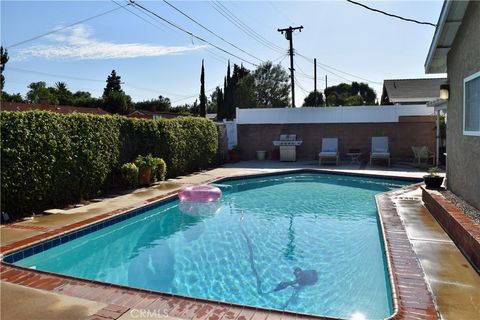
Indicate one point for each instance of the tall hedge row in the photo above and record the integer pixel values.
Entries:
(50, 160)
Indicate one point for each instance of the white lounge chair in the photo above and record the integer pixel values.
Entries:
(329, 150)
(380, 149)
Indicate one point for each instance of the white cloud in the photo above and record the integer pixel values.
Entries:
(77, 43)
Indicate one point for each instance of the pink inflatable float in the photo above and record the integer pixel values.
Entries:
(200, 193)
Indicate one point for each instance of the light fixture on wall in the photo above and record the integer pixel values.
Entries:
(444, 91)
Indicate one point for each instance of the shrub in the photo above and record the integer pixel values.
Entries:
(160, 169)
(51, 160)
(129, 174)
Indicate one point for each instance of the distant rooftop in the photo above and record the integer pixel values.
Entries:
(147, 114)
(409, 91)
(16, 106)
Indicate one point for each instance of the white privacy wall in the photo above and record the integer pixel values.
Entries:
(359, 114)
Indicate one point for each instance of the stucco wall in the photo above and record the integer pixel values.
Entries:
(410, 131)
(463, 160)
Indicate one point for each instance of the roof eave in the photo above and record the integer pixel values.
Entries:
(448, 24)
(438, 30)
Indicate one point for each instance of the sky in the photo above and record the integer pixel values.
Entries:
(153, 58)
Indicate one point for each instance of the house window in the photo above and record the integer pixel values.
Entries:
(471, 105)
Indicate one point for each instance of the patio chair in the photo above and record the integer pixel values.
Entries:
(422, 153)
(329, 150)
(380, 149)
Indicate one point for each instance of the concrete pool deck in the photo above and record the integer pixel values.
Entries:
(455, 285)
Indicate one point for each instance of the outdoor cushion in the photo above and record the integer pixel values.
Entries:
(380, 154)
(329, 150)
(380, 150)
(327, 153)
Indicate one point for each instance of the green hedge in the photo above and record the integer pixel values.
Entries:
(50, 160)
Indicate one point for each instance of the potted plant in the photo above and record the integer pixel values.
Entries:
(145, 167)
(234, 154)
(432, 179)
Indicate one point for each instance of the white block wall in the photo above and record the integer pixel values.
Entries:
(361, 114)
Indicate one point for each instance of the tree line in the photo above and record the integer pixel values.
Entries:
(267, 86)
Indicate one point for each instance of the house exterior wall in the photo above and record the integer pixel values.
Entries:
(408, 132)
(463, 152)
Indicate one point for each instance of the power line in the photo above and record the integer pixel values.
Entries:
(190, 33)
(192, 96)
(53, 75)
(63, 28)
(248, 27)
(392, 15)
(140, 17)
(212, 32)
(301, 86)
(301, 72)
(325, 66)
(227, 14)
(89, 80)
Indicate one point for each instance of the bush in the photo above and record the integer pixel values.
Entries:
(160, 169)
(129, 174)
(50, 160)
(186, 144)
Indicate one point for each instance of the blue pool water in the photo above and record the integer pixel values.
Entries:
(262, 230)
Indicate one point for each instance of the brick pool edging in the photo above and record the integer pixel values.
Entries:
(411, 298)
(464, 232)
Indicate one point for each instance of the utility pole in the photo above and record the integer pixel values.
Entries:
(289, 36)
(315, 80)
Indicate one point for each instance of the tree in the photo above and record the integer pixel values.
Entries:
(16, 97)
(114, 100)
(85, 99)
(217, 100)
(3, 61)
(117, 102)
(64, 96)
(245, 93)
(313, 99)
(221, 105)
(160, 104)
(39, 93)
(184, 110)
(203, 97)
(229, 90)
(271, 84)
(113, 83)
(350, 95)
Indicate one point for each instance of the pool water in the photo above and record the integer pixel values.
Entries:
(242, 248)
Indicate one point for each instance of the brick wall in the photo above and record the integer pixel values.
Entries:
(408, 132)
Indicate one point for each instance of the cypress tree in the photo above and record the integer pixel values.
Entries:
(221, 112)
(228, 98)
(203, 98)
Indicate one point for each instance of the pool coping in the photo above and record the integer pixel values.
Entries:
(410, 294)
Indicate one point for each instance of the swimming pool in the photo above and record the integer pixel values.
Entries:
(248, 245)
